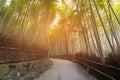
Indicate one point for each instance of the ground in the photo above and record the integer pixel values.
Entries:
(65, 70)
(22, 72)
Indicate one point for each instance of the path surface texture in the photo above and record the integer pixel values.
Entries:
(65, 70)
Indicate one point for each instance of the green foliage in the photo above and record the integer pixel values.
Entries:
(116, 7)
(34, 17)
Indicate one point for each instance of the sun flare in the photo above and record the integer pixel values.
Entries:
(55, 22)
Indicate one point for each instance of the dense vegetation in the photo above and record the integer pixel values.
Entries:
(87, 27)
(24, 69)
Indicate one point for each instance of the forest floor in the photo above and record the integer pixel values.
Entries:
(19, 71)
(65, 70)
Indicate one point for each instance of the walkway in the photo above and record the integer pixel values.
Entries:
(65, 70)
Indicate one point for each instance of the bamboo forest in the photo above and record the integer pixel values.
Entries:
(59, 40)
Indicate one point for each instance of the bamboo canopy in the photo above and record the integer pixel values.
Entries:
(89, 27)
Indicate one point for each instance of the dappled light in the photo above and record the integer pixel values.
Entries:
(63, 26)
(56, 23)
(76, 30)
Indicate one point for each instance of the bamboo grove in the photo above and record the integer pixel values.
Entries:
(89, 27)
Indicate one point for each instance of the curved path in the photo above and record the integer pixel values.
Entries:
(65, 70)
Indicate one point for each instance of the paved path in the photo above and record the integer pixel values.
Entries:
(65, 70)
